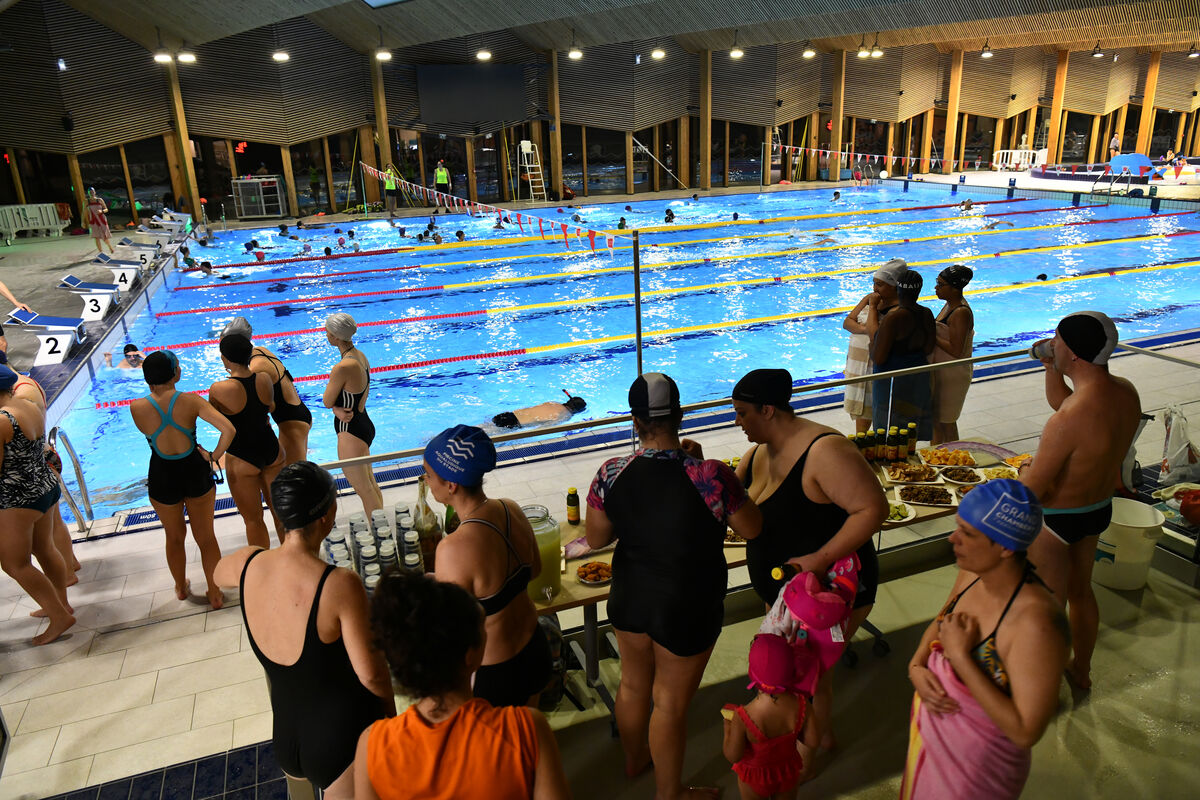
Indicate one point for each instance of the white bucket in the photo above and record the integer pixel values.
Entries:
(1126, 547)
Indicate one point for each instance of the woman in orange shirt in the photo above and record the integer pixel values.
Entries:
(449, 745)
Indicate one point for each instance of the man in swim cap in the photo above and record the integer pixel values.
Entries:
(460, 236)
(132, 359)
(1077, 467)
(550, 413)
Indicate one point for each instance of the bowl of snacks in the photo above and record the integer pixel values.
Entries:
(941, 457)
(961, 475)
(899, 513)
(594, 573)
(911, 473)
(925, 496)
(993, 473)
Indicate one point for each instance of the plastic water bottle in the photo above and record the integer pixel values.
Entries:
(413, 561)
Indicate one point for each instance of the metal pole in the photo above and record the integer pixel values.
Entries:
(637, 299)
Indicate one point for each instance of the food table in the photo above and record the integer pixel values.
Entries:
(575, 594)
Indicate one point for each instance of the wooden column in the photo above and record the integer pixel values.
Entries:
(555, 109)
(329, 174)
(77, 184)
(1014, 132)
(174, 168)
(839, 108)
(183, 141)
(890, 151)
(583, 140)
(233, 172)
(706, 121)
(16, 175)
(1030, 128)
(656, 170)
(926, 139)
(952, 101)
(768, 156)
(997, 138)
(472, 187)
(1146, 127)
(1109, 119)
(628, 162)
(421, 160)
(962, 140)
(810, 170)
(289, 180)
(725, 178)
(906, 164)
(1119, 131)
(382, 130)
(1094, 139)
(683, 161)
(366, 154)
(1054, 139)
(1195, 147)
(789, 154)
(1062, 133)
(1179, 128)
(501, 150)
(133, 215)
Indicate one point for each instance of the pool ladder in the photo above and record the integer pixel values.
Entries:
(1112, 183)
(56, 435)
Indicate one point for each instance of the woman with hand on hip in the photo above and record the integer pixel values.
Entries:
(858, 352)
(346, 394)
(180, 475)
(955, 332)
(255, 457)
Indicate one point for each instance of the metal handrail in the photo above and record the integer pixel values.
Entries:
(52, 438)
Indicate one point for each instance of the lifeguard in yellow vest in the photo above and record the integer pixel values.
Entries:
(391, 188)
(441, 181)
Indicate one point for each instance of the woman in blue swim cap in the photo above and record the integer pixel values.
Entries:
(984, 699)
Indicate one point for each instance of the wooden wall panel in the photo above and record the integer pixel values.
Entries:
(1122, 80)
(873, 85)
(918, 78)
(598, 89)
(987, 84)
(664, 89)
(1177, 79)
(1100, 85)
(1027, 80)
(744, 90)
(798, 83)
(97, 59)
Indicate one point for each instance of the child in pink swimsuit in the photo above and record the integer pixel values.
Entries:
(760, 737)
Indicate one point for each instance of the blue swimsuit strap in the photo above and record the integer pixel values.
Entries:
(166, 420)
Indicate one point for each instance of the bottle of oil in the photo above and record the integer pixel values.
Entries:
(869, 447)
(572, 506)
(902, 444)
(881, 444)
(893, 444)
(912, 437)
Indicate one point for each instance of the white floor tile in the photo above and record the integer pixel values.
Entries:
(65, 677)
(62, 708)
(17, 653)
(161, 752)
(30, 751)
(172, 652)
(47, 781)
(114, 612)
(112, 731)
(231, 702)
(212, 673)
(148, 633)
(252, 729)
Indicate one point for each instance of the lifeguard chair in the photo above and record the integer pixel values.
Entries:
(530, 164)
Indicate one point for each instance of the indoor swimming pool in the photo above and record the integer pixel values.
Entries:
(459, 332)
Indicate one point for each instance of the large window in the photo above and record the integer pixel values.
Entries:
(572, 155)
(101, 170)
(488, 153)
(343, 156)
(452, 151)
(643, 164)
(745, 154)
(605, 161)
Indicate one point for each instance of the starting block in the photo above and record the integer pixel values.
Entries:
(57, 336)
(125, 273)
(97, 298)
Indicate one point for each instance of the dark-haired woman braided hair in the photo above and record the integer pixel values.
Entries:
(448, 744)
(307, 622)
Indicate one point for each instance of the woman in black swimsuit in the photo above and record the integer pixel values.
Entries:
(290, 413)
(820, 502)
(346, 394)
(494, 556)
(255, 457)
(313, 618)
(904, 338)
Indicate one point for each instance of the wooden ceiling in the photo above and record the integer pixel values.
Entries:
(695, 24)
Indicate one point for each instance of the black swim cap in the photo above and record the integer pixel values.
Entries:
(237, 348)
(957, 276)
(130, 348)
(302, 493)
(765, 387)
(159, 367)
(1091, 335)
(575, 404)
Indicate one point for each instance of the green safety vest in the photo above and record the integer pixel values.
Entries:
(441, 175)
(389, 181)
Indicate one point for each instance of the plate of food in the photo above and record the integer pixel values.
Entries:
(961, 491)
(1016, 461)
(911, 473)
(899, 513)
(996, 473)
(941, 457)
(961, 475)
(733, 540)
(594, 573)
(936, 496)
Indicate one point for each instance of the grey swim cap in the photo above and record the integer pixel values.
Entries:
(341, 326)
(238, 325)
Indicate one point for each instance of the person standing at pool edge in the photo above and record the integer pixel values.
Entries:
(346, 396)
(1077, 467)
(441, 180)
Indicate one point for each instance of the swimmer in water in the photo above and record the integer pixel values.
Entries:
(621, 224)
(350, 233)
(421, 238)
(341, 242)
(735, 216)
(132, 359)
(669, 216)
(400, 230)
(966, 205)
(462, 237)
(629, 209)
(825, 240)
(499, 226)
(696, 197)
(991, 226)
(837, 196)
(437, 238)
(356, 247)
(328, 251)
(283, 229)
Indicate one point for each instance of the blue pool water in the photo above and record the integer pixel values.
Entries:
(719, 301)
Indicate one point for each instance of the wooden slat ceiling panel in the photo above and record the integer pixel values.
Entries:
(918, 80)
(798, 83)
(1177, 80)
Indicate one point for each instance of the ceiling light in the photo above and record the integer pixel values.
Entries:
(808, 50)
(1192, 51)
(574, 53)
(280, 55)
(863, 52)
(381, 52)
(161, 55)
(484, 54)
(1097, 52)
(62, 65)
(875, 51)
(735, 51)
(658, 54)
(986, 52)
(185, 55)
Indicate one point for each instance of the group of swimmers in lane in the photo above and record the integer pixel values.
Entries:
(183, 475)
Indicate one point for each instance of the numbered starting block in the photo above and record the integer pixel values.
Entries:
(125, 273)
(155, 240)
(97, 298)
(57, 336)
